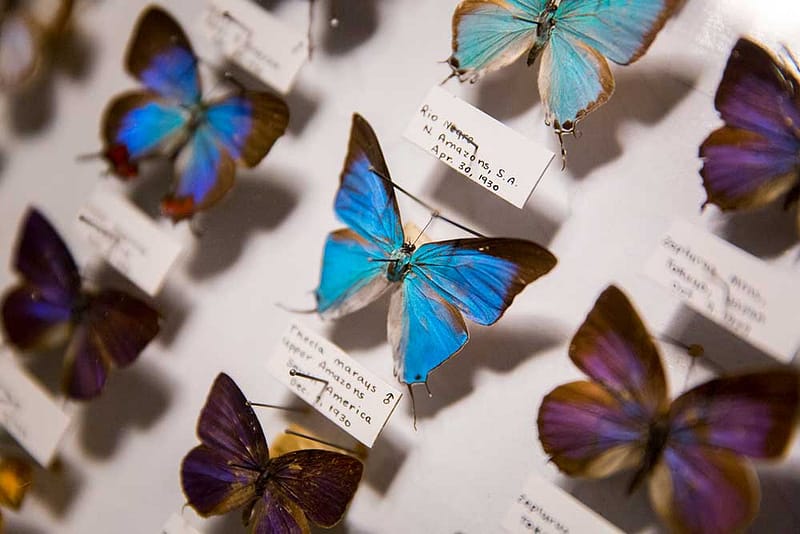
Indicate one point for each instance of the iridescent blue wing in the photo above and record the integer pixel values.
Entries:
(365, 200)
(353, 274)
(574, 78)
(489, 34)
(621, 30)
(424, 329)
(752, 160)
(481, 276)
(241, 127)
(354, 262)
(38, 312)
(220, 474)
(160, 56)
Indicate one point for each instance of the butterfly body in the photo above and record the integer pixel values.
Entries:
(104, 328)
(433, 286)
(574, 39)
(694, 451)
(206, 139)
(232, 468)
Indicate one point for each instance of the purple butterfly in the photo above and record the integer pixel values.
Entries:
(694, 451)
(232, 469)
(104, 328)
(755, 158)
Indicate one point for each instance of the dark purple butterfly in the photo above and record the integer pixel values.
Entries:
(232, 469)
(104, 328)
(694, 451)
(755, 158)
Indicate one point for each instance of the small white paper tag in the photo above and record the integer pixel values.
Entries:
(128, 239)
(28, 412)
(353, 398)
(479, 147)
(258, 42)
(729, 286)
(178, 525)
(544, 508)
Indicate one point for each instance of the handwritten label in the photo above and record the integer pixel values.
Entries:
(128, 239)
(729, 286)
(544, 508)
(256, 41)
(333, 383)
(29, 414)
(178, 525)
(479, 147)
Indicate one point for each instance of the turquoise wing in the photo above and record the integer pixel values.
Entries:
(489, 34)
(621, 30)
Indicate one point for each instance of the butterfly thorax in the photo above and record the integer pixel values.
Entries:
(657, 437)
(545, 24)
(400, 263)
(261, 482)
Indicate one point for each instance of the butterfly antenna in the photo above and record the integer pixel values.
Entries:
(310, 30)
(295, 310)
(322, 441)
(422, 232)
(89, 157)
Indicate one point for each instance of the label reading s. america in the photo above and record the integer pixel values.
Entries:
(755, 301)
(544, 508)
(479, 147)
(258, 42)
(333, 383)
(28, 412)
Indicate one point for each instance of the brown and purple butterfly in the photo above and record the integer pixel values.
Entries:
(232, 468)
(755, 158)
(104, 328)
(693, 451)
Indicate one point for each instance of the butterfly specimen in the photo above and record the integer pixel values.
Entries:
(574, 38)
(15, 477)
(435, 285)
(694, 451)
(755, 158)
(232, 469)
(206, 139)
(25, 29)
(104, 328)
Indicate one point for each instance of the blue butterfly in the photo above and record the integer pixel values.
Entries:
(436, 284)
(574, 38)
(169, 118)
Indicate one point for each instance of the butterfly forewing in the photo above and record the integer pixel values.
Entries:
(753, 159)
(160, 56)
(613, 347)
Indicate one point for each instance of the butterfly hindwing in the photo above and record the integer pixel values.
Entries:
(352, 275)
(586, 431)
(752, 160)
(322, 483)
(424, 330)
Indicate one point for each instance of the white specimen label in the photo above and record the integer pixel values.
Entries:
(258, 42)
(128, 239)
(28, 412)
(544, 508)
(752, 299)
(341, 389)
(479, 147)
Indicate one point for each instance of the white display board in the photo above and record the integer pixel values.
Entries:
(632, 170)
